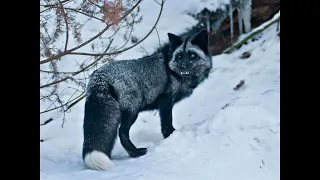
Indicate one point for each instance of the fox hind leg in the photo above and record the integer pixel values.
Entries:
(127, 120)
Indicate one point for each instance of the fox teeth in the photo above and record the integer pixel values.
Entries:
(184, 73)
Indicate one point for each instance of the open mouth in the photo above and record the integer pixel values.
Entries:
(184, 73)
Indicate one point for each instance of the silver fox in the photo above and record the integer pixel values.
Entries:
(119, 90)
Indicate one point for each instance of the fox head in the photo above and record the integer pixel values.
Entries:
(190, 56)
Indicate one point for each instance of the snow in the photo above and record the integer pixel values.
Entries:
(240, 141)
(244, 35)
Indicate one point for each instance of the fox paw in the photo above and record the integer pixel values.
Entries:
(167, 132)
(139, 152)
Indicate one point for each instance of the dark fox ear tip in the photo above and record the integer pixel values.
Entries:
(203, 31)
(170, 34)
(174, 37)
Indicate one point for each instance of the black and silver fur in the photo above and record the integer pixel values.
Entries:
(119, 90)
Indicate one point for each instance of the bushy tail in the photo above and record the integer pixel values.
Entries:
(97, 160)
(101, 121)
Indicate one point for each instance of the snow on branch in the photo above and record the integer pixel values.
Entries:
(251, 35)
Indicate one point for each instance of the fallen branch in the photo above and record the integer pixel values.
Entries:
(245, 55)
(239, 85)
(239, 44)
(267, 92)
(228, 104)
(46, 122)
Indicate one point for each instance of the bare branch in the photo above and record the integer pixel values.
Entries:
(123, 50)
(65, 104)
(78, 72)
(55, 82)
(44, 71)
(50, 6)
(75, 81)
(57, 56)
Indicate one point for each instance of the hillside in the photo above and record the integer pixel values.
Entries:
(221, 134)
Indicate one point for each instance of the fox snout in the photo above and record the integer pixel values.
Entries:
(184, 68)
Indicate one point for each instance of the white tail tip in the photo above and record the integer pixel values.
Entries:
(97, 160)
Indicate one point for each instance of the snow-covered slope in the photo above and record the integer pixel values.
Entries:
(240, 141)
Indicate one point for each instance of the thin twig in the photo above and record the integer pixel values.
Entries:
(128, 37)
(74, 94)
(157, 2)
(158, 36)
(57, 99)
(74, 103)
(77, 90)
(230, 139)
(67, 25)
(78, 11)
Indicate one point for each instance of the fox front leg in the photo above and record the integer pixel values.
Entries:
(165, 111)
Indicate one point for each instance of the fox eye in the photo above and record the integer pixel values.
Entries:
(193, 55)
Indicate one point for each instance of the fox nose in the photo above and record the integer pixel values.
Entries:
(183, 67)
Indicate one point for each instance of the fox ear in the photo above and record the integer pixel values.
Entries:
(201, 40)
(175, 40)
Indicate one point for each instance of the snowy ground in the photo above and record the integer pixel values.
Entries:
(239, 142)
